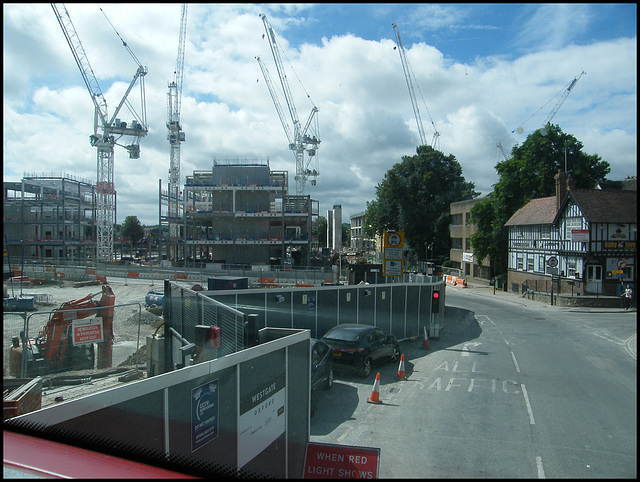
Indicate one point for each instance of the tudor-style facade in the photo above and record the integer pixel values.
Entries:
(584, 240)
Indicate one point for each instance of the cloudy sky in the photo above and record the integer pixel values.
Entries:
(481, 72)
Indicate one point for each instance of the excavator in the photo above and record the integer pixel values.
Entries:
(64, 345)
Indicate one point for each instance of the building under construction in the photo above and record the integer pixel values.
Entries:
(240, 212)
(50, 219)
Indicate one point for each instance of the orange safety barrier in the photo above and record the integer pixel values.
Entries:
(132, 274)
(91, 271)
(180, 276)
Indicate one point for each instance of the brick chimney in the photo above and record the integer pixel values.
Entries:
(561, 188)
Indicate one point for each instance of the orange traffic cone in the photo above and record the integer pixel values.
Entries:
(425, 344)
(400, 375)
(375, 393)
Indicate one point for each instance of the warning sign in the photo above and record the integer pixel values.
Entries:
(328, 461)
(87, 331)
(393, 253)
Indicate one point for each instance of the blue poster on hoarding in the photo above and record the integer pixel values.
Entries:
(204, 414)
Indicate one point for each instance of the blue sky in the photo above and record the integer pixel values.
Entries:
(482, 71)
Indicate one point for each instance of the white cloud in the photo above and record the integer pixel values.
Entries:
(366, 120)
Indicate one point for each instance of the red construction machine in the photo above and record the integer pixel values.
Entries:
(65, 342)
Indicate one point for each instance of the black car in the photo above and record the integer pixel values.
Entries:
(360, 346)
(321, 369)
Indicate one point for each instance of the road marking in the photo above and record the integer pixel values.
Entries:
(515, 362)
(526, 401)
(615, 340)
(540, 468)
(465, 348)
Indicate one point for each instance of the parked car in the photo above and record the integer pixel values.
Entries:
(321, 369)
(360, 346)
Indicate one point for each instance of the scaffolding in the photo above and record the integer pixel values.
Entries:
(50, 218)
(240, 212)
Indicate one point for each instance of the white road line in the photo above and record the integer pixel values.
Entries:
(540, 468)
(515, 362)
(526, 401)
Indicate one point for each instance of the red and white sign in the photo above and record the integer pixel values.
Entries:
(328, 461)
(87, 331)
(579, 235)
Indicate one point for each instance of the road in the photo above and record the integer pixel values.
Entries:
(512, 388)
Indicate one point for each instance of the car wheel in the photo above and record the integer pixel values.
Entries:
(395, 356)
(329, 382)
(366, 368)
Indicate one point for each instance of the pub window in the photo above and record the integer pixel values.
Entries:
(519, 263)
(545, 231)
(530, 263)
(571, 224)
(541, 264)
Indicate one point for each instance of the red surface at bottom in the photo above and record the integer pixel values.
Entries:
(52, 459)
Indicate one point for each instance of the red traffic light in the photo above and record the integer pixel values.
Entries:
(436, 294)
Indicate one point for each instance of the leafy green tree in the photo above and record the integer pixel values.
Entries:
(132, 229)
(529, 174)
(414, 197)
(321, 231)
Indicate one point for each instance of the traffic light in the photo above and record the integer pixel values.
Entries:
(435, 301)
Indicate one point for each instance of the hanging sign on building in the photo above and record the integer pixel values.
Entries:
(579, 235)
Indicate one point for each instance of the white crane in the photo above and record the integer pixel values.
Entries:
(408, 74)
(112, 130)
(543, 128)
(175, 135)
(563, 97)
(304, 139)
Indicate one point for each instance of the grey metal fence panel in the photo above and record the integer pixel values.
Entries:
(383, 308)
(327, 310)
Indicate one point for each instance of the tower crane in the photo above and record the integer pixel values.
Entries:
(175, 135)
(408, 74)
(304, 138)
(563, 97)
(112, 129)
(543, 128)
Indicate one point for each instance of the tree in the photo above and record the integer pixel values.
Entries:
(414, 197)
(132, 229)
(321, 231)
(529, 174)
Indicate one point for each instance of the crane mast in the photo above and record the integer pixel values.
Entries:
(406, 67)
(175, 135)
(112, 130)
(563, 97)
(304, 140)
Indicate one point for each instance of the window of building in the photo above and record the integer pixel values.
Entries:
(545, 231)
(467, 244)
(519, 263)
(530, 263)
(541, 264)
(456, 243)
(467, 218)
(571, 224)
(571, 267)
(456, 219)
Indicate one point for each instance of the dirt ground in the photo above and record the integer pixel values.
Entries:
(132, 323)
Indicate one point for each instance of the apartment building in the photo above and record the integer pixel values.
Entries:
(461, 252)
